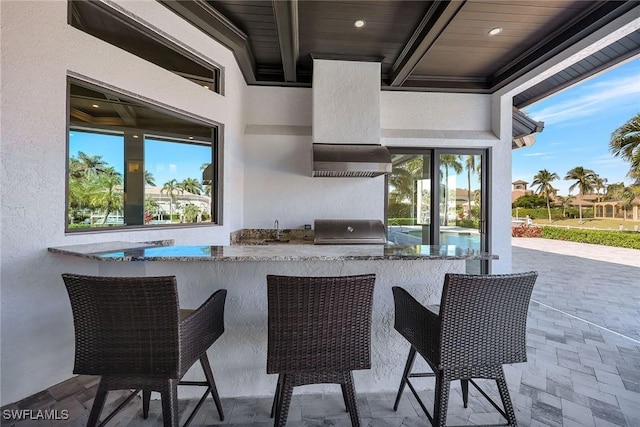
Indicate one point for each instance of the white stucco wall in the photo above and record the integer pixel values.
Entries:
(39, 49)
(278, 182)
(267, 164)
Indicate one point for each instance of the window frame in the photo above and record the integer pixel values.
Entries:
(216, 143)
(152, 36)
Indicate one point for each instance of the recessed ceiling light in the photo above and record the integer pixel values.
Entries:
(190, 137)
(95, 106)
(135, 136)
(495, 31)
(206, 87)
(360, 23)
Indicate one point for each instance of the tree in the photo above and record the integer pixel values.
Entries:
(625, 143)
(543, 180)
(471, 167)
(625, 195)
(86, 166)
(565, 202)
(585, 182)
(191, 185)
(106, 192)
(172, 188)
(447, 162)
(149, 178)
(402, 183)
(600, 185)
(528, 201)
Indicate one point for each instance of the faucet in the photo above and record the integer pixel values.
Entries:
(275, 225)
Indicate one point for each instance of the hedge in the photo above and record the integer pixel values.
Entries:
(620, 239)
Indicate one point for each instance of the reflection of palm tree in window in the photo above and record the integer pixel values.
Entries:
(106, 192)
(191, 185)
(149, 179)
(172, 188)
(471, 167)
(85, 166)
(449, 161)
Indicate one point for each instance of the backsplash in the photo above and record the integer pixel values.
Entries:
(256, 235)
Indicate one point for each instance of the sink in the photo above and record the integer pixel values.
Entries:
(276, 241)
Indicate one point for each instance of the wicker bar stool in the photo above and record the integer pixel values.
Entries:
(481, 325)
(131, 332)
(319, 332)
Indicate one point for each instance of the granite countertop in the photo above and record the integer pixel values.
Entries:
(160, 251)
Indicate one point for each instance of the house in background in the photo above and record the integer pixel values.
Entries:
(258, 83)
(519, 190)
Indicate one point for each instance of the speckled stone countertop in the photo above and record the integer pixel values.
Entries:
(160, 251)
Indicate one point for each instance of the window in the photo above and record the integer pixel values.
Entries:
(438, 197)
(108, 24)
(134, 165)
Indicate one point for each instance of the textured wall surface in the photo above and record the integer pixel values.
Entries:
(346, 102)
(38, 50)
(239, 358)
(267, 164)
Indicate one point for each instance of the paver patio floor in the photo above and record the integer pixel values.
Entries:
(583, 369)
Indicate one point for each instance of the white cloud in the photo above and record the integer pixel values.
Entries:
(535, 154)
(173, 167)
(596, 97)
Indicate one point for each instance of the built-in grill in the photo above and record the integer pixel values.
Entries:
(349, 232)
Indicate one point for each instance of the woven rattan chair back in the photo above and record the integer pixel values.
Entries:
(319, 331)
(125, 326)
(319, 324)
(130, 332)
(484, 319)
(481, 325)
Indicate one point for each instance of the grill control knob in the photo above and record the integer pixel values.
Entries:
(350, 229)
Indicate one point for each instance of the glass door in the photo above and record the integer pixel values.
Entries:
(460, 201)
(437, 197)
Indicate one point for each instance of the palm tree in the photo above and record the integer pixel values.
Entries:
(403, 179)
(87, 166)
(191, 185)
(149, 178)
(543, 180)
(106, 193)
(471, 166)
(172, 188)
(565, 202)
(600, 184)
(625, 143)
(585, 182)
(449, 161)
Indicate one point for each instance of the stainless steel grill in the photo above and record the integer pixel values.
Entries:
(349, 232)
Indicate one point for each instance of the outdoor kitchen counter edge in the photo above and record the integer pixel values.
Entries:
(128, 251)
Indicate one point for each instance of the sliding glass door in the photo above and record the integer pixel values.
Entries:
(437, 197)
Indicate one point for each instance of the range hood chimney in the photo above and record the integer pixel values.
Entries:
(346, 120)
(353, 160)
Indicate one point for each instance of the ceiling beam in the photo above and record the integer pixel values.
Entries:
(433, 23)
(125, 112)
(207, 19)
(285, 13)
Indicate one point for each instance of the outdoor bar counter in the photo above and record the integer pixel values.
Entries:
(239, 357)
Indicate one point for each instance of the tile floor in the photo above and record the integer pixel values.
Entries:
(583, 369)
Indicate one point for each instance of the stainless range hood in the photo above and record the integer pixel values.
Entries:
(350, 160)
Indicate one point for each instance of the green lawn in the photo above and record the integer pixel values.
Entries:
(591, 223)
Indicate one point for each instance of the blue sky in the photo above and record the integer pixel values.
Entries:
(164, 160)
(578, 125)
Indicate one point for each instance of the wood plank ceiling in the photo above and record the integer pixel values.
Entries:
(422, 45)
